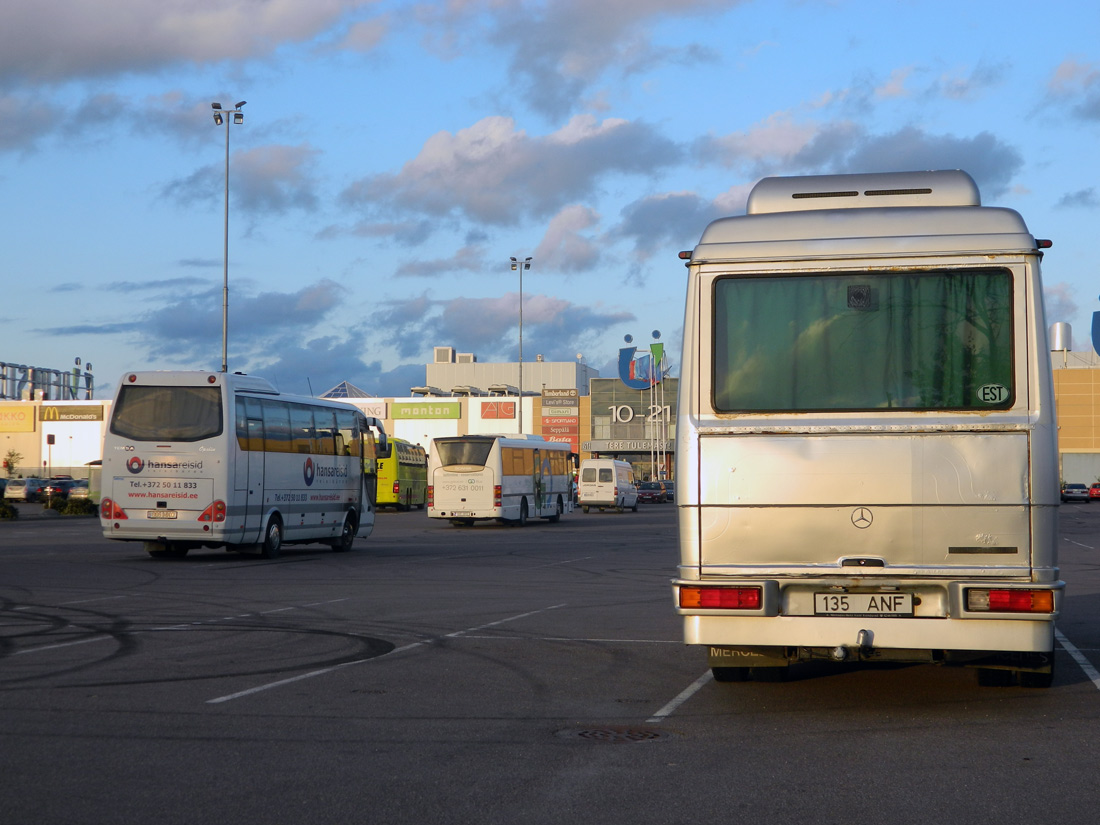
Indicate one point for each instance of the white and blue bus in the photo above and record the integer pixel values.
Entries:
(200, 459)
(867, 459)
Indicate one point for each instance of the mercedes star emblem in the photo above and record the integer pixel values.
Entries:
(862, 518)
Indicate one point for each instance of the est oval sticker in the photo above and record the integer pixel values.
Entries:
(993, 394)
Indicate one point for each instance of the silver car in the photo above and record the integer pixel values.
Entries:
(23, 489)
(1075, 492)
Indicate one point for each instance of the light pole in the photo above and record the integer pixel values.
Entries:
(225, 116)
(520, 266)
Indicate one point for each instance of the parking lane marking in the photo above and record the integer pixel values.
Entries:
(323, 671)
(684, 695)
(1078, 657)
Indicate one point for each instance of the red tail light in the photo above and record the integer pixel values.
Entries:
(721, 598)
(1010, 601)
(431, 495)
(109, 511)
(215, 512)
(498, 498)
(397, 488)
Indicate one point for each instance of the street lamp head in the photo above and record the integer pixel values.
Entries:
(240, 104)
(218, 119)
(215, 105)
(238, 118)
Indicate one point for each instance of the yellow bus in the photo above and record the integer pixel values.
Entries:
(402, 475)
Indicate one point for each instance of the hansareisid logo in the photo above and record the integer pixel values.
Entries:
(135, 465)
(311, 471)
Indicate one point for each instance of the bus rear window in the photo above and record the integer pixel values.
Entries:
(144, 413)
(917, 340)
(463, 452)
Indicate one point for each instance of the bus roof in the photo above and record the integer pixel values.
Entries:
(873, 215)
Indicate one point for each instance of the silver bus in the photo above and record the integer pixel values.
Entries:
(866, 444)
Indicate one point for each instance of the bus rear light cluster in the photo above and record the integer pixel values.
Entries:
(215, 512)
(397, 488)
(722, 598)
(498, 496)
(431, 495)
(1010, 601)
(109, 510)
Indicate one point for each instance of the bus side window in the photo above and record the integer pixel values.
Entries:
(276, 427)
(347, 440)
(301, 428)
(242, 425)
(325, 429)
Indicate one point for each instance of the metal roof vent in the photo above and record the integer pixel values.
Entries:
(804, 193)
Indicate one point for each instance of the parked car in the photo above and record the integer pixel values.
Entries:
(80, 489)
(652, 491)
(1075, 492)
(1094, 491)
(56, 488)
(23, 489)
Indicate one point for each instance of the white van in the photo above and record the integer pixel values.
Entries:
(605, 482)
(866, 432)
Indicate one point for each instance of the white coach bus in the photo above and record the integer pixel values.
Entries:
(866, 444)
(508, 478)
(199, 459)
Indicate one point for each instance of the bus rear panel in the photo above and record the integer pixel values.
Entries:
(866, 445)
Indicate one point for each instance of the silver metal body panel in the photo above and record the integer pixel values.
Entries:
(925, 502)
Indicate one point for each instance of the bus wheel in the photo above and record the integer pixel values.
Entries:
(585, 509)
(165, 550)
(994, 677)
(1036, 679)
(273, 540)
(730, 674)
(557, 513)
(522, 521)
(347, 535)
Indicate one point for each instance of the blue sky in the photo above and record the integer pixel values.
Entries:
(394, 155)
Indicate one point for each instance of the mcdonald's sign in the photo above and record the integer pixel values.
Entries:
(70, 412)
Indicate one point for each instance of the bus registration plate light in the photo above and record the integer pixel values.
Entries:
(1010, 601)
(721, 598)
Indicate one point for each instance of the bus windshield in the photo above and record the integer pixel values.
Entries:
(916, 340)
(151, 413)
(463, 452)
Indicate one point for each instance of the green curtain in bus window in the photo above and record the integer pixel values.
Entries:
(919, 340)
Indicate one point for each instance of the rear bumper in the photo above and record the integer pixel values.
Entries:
(941, 621)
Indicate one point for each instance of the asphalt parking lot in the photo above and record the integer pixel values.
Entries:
(488, 674)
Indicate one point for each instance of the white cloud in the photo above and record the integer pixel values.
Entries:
(46, 41)
(493, 173)
(565, 247)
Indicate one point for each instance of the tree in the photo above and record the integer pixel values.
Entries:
(11, 461)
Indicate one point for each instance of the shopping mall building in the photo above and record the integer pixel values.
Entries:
(562, 401)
